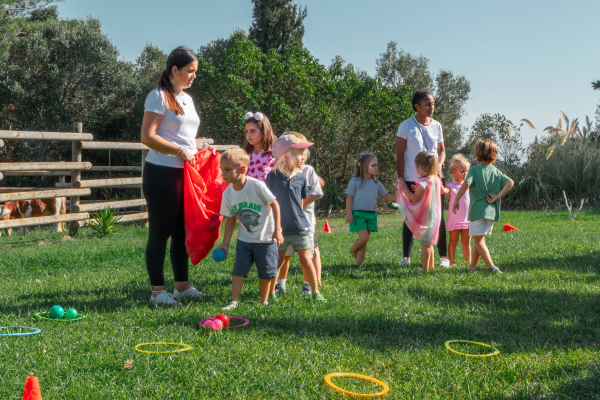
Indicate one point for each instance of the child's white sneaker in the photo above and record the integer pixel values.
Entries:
(231, 306)
(444, 262)
(164, 298)
(404, 261)
(191, 292)
(495, 270)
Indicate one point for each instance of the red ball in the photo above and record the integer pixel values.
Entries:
(224, 318)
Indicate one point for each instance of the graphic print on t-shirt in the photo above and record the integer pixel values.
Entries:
(248, 214)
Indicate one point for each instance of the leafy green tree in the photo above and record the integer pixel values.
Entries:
(276, 24)
(504, 133)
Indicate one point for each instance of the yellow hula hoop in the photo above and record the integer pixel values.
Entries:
(493, 353)
(184, 347)
(384, 385)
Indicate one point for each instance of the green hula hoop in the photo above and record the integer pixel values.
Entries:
(46, 315)
(184, 347)
(493, 353)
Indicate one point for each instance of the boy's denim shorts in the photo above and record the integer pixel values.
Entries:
(264, 255)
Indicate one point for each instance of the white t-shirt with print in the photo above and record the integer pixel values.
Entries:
(418, 138)
(250, 206)
(178, 129)
(314, 188)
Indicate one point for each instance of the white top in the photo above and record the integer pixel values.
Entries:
(418, 138)
(249, 205)
(178, 129)
(314, 188)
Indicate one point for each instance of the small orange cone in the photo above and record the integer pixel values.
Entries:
(327, 228)
(32, 389)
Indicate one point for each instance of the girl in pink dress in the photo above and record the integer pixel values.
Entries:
(458, 223)
(422, 210)
(259, 143)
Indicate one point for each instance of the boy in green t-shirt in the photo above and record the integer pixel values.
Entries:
(486, 185)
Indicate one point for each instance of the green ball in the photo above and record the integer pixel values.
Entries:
(71, 313)
(56, 312)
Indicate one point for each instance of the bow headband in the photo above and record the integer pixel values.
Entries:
(257, 116)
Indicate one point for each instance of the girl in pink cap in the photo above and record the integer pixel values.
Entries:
(259, 145)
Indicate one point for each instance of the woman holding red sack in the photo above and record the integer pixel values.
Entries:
(169, 129)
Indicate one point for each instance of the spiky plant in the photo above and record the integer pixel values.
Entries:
(104, 222)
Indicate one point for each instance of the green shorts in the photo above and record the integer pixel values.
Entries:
(364, 220)
(297, 242)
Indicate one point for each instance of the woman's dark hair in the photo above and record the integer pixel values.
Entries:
(180, 57)
(418, 97)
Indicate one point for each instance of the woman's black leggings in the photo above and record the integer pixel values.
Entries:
(407, 236)
(163, 189)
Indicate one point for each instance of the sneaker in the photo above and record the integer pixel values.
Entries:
(471, 270)
(231, 306)
(444, 262)
(273, 298)
(404, 261)
(280, 289)
(164, 298)
(495, 270)
(192, 292)
(306, 289)
(318, 297)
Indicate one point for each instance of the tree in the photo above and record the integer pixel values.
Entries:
(277, 24)
(398, 68)
(504, 133)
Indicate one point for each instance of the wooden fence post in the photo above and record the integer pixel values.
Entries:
(145, 224)
(75, 175)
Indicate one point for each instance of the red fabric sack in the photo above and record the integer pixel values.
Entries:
(203, 190)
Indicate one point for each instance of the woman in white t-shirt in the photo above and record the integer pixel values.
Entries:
(416, 134)
(169, 130)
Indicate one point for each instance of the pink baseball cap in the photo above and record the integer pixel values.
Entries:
(286, 142)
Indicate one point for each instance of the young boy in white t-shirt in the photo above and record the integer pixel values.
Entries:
(259, 236)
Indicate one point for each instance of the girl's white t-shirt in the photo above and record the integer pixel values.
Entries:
(178, 129)
(418, 138)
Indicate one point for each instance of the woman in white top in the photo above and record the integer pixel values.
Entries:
(169, 130)
(416, 134)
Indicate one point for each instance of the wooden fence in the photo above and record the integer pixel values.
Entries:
(78, 214)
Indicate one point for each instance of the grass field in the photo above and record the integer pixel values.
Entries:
(380, 320)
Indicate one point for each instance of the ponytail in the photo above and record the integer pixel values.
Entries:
(180, 57)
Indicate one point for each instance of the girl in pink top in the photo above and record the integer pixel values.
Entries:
(458, 224)
(259, 144)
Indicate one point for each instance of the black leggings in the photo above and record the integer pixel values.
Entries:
(407, 236)
(163, 189)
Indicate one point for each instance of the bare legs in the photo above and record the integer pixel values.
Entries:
(308, 271)
(427, 258)
(465, 241)
(359, 248)
(480, 250)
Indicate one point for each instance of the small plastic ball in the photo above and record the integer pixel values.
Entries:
(224, 319)
(207, 323)
(217, 324)
(218, 255)
(71, 313)
(56, 312)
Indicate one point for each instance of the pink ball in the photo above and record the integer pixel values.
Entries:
(207, 323)
(217, 324)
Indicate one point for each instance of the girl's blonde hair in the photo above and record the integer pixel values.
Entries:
(458, 160)
(427, 161)
(285, 164)
(361, 167)
(267, 134)
(301, 137)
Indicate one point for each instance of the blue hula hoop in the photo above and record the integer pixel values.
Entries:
(33, 331)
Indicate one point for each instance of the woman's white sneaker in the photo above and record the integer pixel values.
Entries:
(404, 261)
(444, 262)
(163, 298)
(192, 292)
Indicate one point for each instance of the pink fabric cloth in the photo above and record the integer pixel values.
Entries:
(423, 218)
(460, 219)
(260, 165)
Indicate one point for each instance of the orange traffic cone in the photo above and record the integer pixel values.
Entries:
(327, 228)
(32, 389)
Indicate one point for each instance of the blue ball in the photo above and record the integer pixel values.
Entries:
(218, 255)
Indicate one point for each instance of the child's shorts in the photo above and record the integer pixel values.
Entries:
(313, 239)
(264, 255)
(481, 227)
(296, 242)
(364, 220)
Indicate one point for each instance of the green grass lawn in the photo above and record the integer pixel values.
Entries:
(381, 320)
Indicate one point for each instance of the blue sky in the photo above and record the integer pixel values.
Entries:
(524, 59)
